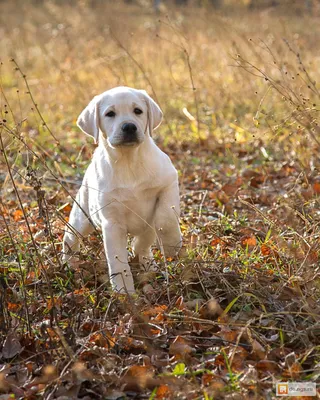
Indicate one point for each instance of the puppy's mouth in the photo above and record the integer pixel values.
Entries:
(125, 142)
(126, 139)
(128, 144)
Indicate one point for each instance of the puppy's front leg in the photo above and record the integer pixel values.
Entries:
(115, 245)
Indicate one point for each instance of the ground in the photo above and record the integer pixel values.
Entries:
(239, 309)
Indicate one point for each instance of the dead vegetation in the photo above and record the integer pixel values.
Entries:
(240, 309)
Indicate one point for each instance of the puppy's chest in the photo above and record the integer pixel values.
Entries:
(132, 207)
(135, 198)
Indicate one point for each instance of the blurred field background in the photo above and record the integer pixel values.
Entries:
(237, 81)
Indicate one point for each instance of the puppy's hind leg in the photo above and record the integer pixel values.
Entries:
(167, 222)
(79, 226)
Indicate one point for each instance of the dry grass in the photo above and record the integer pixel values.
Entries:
(71, 53)
(241, 106)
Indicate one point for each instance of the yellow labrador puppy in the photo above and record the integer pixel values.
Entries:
(130, 186)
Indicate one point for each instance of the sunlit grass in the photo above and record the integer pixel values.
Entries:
(240, 106)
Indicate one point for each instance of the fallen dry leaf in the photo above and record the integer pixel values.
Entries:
(249, 241)
(138, 376)
(11, 346)
(211, 309)
(163, 392)
(180, 348)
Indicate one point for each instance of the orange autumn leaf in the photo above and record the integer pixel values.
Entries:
(230, 189)
(81, 291)
(155, 331)
(65, 208)
(222, 197)
(217, 384)
(257, 180)
(212, 195)
(228, 335)
(267, 367)
(56, 301)
(265, 250)
(217, 241)
(158, 318)
(269, 249)
(138, 376)
(211, 309)
(316, 187)
(179, 303)
(52, 333)
(238, 359)
(102, 339)
(17, 215)
(137, 371)
(87, 355)
(220, 361)
(130, 344)
(14, 307)
(30, 278)
(180, 347)
(90, 327)
(163, 392)
(294, 371)
(249, 241)
(258, 350)
(29, 366)
(155, 310)
(207, 379)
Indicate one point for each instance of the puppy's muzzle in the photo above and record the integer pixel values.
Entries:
(129, 133)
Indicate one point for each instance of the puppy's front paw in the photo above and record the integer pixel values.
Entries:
(65, 257)
(122, 281)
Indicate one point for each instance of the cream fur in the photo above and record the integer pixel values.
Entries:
(126, 188)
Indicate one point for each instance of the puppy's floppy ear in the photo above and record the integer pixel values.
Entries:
(88, 120)
(154, 112)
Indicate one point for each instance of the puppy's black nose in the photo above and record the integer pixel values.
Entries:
(129, 128)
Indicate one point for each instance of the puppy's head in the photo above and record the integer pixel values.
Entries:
(124, 116)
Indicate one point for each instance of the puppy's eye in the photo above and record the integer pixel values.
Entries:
(137, 111)
(110, 114)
